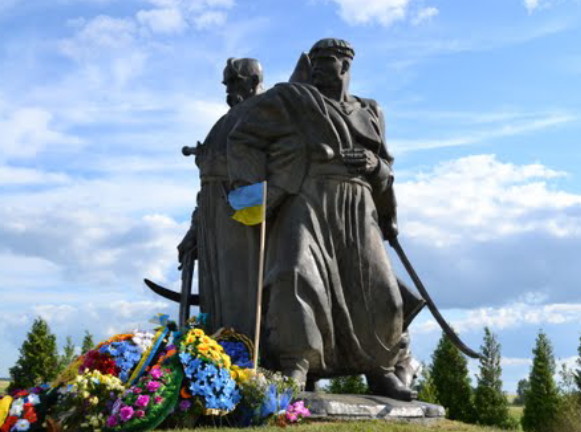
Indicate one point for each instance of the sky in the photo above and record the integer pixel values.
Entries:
(483, 115)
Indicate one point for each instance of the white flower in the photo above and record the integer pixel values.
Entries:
(33, 399)
(16, 408)
(22, 425)
(143, 340)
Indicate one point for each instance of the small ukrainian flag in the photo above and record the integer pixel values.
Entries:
(249, 203)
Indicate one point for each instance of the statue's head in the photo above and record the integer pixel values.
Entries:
(242, 78)
(331, 63)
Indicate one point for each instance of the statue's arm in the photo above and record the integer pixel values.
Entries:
(190, 241)
(382, 184)
(252, 142)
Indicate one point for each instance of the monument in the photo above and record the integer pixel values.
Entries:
(330, 303)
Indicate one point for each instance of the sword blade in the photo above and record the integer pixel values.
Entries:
(187, 276)
(448, 330)
(170, 294)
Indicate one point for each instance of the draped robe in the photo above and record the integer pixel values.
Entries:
(227, 251)
(331, 305)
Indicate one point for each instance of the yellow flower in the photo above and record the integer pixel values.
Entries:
(241, 375)
(94, 400)
(199, 332)
(5, 403)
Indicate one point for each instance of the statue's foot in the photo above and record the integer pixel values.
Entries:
(297, 370)
(389, 385)
(298, 375)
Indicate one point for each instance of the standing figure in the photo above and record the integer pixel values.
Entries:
(226, 251)
(331, 300)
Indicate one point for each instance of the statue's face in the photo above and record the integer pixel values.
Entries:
(327, 70)
(238, 88)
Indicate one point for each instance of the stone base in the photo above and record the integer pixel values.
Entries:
(326, 406)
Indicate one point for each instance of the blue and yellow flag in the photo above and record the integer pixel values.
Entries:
(248, 203)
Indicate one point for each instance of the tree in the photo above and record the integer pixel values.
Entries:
(542, 401)
(352, 384)
(522, 389)
(577, 373)
(68, 354)
(489, 400)
(88, 343)
(38, 361)
(450, 375)
(426, 387)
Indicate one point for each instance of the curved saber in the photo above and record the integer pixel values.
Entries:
(449, 331)
(175, 296)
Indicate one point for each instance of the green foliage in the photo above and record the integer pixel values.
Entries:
(88, 343)
(426, 387)
(489, 400)
(450, 376)
(568, 418)
(577, 373)
(68, 355)
(542, 401)
(353, 384)
(522, 389)
(38, 361)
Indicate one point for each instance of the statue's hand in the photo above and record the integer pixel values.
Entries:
(188, 244)
(275, 197)
(390, 230)
(360, 161)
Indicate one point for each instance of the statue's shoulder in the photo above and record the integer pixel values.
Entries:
(369, 104)
(294, 88)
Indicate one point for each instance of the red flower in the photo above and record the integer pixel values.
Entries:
(29, 413)
(94, 360)
(8, 423)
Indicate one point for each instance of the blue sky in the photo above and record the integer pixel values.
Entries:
(483, 116)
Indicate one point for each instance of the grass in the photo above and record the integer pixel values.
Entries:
(362, 426)
(516, 411)
(3, 386)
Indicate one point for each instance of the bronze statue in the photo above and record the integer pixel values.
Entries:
(226, 251)
(332, 302)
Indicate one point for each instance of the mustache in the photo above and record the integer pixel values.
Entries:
(233, 99)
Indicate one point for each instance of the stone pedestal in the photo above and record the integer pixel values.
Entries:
(367, 407)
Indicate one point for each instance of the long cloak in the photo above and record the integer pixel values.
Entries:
(227, 251)
(332, 304)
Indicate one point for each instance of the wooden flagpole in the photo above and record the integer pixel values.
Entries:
(260, 278)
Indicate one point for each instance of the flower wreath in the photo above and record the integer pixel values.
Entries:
(147, 403)
(21, 413)
(208, 373)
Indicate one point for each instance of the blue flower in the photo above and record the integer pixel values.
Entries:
(200, 388)
(284, 399)
(238, 352)
(270, 403)
(185, 357)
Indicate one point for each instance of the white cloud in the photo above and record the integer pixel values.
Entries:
(210, 19)
(28, 131)
(384, 12)
(509, 317)
(93, 247)
(533, 5)
(166, 20)
(481, 198)
(29, 176)
(108, 50)
(425, 14)
(174, 16)
(515, 361)
(501, 127)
